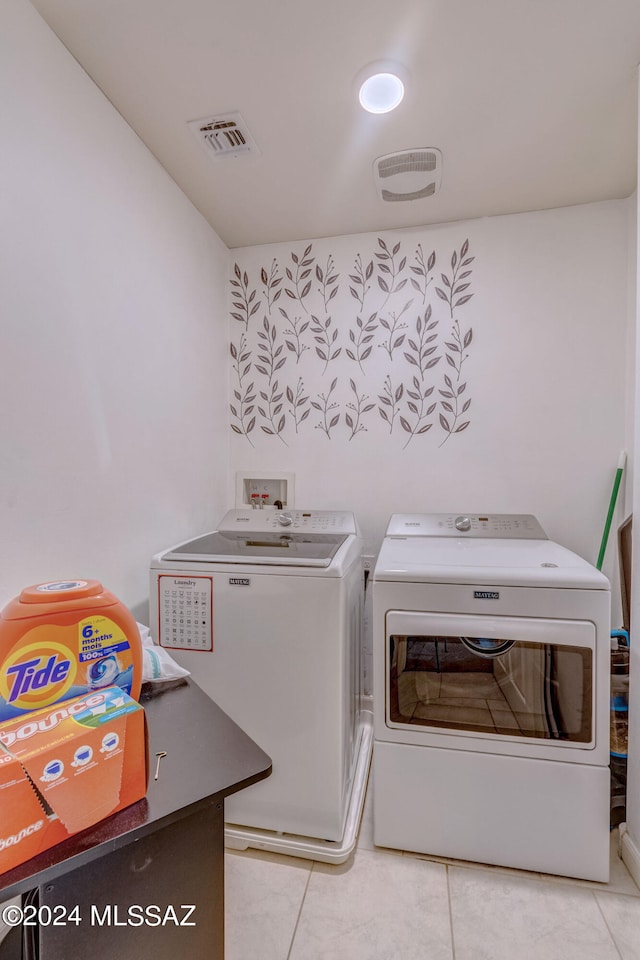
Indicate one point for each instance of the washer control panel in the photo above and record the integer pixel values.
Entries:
(302, 521)
(515, 526)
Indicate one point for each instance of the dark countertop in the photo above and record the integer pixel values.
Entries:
(207, 758)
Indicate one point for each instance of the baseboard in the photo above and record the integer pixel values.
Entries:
(630, 853)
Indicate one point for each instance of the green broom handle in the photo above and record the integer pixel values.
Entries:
(612, 506)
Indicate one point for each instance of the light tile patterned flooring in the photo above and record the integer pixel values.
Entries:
(388, 905)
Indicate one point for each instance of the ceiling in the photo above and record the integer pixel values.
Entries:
(532, 102)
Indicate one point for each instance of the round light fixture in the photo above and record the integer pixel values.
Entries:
(381, 92)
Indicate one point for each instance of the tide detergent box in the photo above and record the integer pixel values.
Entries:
(65, 767)
(63, 639)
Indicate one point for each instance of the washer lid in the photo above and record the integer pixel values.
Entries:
(258, 547)
(508, 562)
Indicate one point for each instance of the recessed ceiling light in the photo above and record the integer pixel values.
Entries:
(381, 92)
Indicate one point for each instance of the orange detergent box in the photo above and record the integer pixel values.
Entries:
(65, 767)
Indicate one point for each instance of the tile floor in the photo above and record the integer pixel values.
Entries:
(388, 905)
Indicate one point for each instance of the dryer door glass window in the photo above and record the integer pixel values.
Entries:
(506, 687)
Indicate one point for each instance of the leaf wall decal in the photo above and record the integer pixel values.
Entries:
(408, 346)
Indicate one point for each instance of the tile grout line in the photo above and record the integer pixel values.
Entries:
(609, 930)
(453, 943)
(295, 929)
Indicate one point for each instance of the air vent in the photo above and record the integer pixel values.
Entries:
(409, 174)
(223, 136)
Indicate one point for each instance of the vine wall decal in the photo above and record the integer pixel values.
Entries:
(243, 395)
(270, 281)
(302, 269)
(423, 271)
(390, 398)
(360, 280)
(455, 348)
(361, 345)
(387, 335)
(393, 325)
(297, 327)
(244, 302)
(298, 402)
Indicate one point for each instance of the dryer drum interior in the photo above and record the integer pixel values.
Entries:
(484, 647)
(500, 687)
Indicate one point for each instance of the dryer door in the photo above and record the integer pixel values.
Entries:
(503, 677)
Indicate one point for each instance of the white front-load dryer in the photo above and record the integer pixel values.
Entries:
(491, 695)
(266, 614)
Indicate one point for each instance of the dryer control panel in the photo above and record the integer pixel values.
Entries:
(508, 526)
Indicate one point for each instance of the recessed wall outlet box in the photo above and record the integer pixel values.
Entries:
(263, 488)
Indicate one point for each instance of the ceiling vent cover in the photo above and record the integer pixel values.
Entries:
(409, 174)
(223, 136)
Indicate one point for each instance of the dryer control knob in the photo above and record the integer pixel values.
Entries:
(463, 523)
(285, 519)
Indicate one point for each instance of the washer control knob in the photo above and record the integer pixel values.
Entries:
(285, 519)
(463, 523)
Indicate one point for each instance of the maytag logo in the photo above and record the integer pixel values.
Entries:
(240, 581)
(486, 595)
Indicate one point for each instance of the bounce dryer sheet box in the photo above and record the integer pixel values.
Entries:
(65, 767)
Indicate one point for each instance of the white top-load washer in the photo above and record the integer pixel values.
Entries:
(266, 613)
(491, 695)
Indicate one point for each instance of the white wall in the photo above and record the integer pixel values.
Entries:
(544, 370)
(112, 309)
(631, 838)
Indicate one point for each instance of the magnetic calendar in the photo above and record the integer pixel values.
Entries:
(185, 612)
